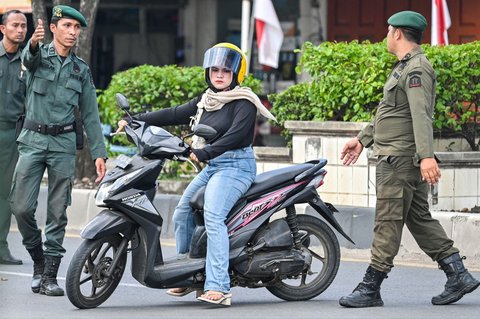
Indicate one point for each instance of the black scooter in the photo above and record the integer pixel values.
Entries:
(296, 257)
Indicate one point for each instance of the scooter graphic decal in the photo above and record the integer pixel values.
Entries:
(256, 208)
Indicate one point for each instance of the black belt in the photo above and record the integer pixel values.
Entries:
(52, 129)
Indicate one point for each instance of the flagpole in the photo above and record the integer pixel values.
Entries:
(245, 22)
(250, 42)
(247, 31)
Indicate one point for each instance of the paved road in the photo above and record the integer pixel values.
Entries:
(406, 293)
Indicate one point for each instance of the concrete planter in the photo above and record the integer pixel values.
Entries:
(458, 190)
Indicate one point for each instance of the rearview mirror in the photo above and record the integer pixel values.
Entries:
(122, 101)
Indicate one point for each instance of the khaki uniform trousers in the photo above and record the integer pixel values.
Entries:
(27, 178)
(402, 198)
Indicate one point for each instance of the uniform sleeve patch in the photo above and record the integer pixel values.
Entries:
(415, 82)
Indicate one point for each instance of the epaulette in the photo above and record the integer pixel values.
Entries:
(79, 58)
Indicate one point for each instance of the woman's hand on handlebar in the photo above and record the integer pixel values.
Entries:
(121, 126)
(193, 157)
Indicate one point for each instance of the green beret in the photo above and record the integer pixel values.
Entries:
(62, 11)
(408, 19)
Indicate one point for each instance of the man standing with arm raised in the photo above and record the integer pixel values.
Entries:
(57, 82)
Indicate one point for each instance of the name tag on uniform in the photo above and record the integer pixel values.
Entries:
(76, 77)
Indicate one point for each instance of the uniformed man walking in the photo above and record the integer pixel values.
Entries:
(402, 135)
(57, 82)
(12, 105)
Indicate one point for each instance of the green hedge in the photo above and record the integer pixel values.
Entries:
(347, 81)
(158, 87)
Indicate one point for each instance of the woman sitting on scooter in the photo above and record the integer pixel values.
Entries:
(231, 111)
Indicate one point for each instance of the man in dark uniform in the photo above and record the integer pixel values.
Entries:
(12, 105)
(402, 135)
(57, 82)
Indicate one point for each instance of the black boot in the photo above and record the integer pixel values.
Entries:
(38, 266)
(6, 258)
(50, 286)
(367, 293)
(459, 281)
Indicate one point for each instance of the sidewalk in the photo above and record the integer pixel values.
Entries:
(357, 222)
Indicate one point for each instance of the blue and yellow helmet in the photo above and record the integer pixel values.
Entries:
(226, 56)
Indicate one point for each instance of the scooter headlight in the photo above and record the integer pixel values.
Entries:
(107, 189)
(102, 193)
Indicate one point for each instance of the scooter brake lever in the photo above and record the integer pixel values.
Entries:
(195, 167)
(119, 133)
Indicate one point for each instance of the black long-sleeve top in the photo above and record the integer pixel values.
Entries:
(234, 122)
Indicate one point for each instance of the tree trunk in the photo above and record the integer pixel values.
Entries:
(84, 164)
(39, 12)
(85, 167)
(89, 10)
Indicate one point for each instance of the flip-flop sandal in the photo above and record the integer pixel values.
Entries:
(224, 300)
(183, 292)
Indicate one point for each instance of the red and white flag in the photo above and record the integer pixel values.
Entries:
(440, 22)
(268, 31)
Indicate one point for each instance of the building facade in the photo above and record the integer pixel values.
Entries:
(134, 32)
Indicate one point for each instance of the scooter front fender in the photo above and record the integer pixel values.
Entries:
(105, 223)
(326, 211)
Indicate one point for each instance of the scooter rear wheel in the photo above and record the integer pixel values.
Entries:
(87, 282)
(323, 245)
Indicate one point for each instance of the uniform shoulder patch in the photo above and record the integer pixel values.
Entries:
(414, 82)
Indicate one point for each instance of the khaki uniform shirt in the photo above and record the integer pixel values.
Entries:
(12, 87)
(403, 123)
(54, 89)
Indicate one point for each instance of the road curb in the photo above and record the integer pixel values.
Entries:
(357, 222)
(83, 209)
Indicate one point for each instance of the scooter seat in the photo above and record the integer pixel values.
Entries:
(271, 179)
(266, 181)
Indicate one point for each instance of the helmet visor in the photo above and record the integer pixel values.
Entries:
(222, 58)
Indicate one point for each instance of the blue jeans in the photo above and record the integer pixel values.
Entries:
(228, 177)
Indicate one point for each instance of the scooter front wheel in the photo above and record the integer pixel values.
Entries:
(95, 271)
